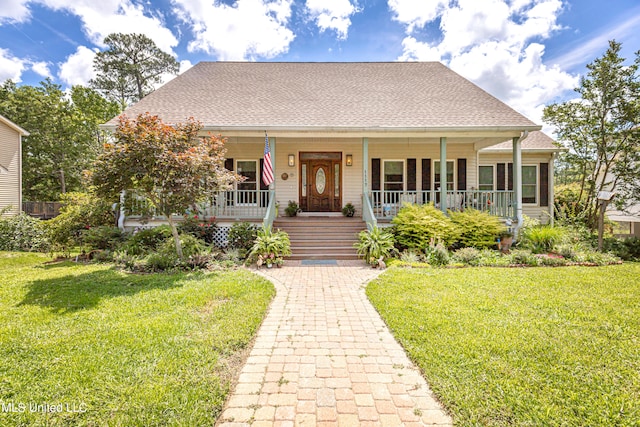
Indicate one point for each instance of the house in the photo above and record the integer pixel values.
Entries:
(10, 166)
(373, 134)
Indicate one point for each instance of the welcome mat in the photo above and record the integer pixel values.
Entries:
(319, 262)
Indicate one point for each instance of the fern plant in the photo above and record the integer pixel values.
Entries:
(375, 244)
(270, 244)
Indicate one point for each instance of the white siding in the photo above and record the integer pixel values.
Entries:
(10, 174)
(397, 149)
(535, 211)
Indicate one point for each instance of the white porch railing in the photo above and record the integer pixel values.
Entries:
(385, 204)
(232, 204)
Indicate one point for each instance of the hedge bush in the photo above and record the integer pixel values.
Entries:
(417, 226)
(23, 233)
(79, 212)
(477, 229)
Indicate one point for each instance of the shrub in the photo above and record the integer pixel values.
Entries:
(488, 257)
(632, 245)
(79, 212)
(410, 257)
(523, 257)
(23, 233)
(160, 262)
(270, 244)
(199, 228)
(542, 239)
(417, 225)
(466, 255)
(551, 260)
(146, 239)
(437, 255)
(190, 246)
(103, 237)
(241, 237)
(477, 229)
(375, 244)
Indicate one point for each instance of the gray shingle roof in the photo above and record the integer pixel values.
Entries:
(395, 95)
(536, 141)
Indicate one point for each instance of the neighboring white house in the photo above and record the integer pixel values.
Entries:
(373, 134)
(11, 166)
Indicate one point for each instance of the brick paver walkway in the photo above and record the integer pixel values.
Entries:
(324, 357)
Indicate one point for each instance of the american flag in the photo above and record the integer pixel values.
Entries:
(267, 167)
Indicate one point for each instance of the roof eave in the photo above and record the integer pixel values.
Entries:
(13, 126)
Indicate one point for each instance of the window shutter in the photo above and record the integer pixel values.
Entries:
(426, 174)
(510, 178)
(544, 184)
(462, 174)
(500, 176)
(426, 180)
(228, 164)
(375, 174)
(411, 175)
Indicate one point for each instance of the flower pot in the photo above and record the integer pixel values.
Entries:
(269, 265)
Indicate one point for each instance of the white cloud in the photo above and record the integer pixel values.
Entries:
(78, 68)
(103, 17)
(416, 13)
(332, 15)
(490, 43)
(10, 66)
(14, 10)
(246, 30)
(41, 68)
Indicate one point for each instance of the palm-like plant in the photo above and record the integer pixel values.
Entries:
(375, 244)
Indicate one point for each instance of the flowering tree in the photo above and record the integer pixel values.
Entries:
(172, 167)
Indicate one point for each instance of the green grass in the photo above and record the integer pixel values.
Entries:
(127, 350)
(522, 347)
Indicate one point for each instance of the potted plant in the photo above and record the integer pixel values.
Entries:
(291, 209)
(348, 210)
(269, 246)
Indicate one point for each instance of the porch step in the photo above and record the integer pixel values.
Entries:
(321, 237)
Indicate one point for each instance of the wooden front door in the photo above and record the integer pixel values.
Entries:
(321, 182)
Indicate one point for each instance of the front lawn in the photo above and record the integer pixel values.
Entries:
(522, 347)
(111, 348)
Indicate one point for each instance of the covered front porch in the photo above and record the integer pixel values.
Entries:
(378, 175)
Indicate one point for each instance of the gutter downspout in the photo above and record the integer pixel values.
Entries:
(517, 180)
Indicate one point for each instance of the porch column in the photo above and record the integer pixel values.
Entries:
(272, 145)
(365, 166)
(443, 174)
(517, 177)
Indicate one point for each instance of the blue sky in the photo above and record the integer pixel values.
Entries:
(528, 53)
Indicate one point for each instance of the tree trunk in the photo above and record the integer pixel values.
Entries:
(176, 236)
(63, 182)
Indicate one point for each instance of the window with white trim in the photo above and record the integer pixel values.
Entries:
(450, 175)
(393, 175)
(485, 178)
(529, 184)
